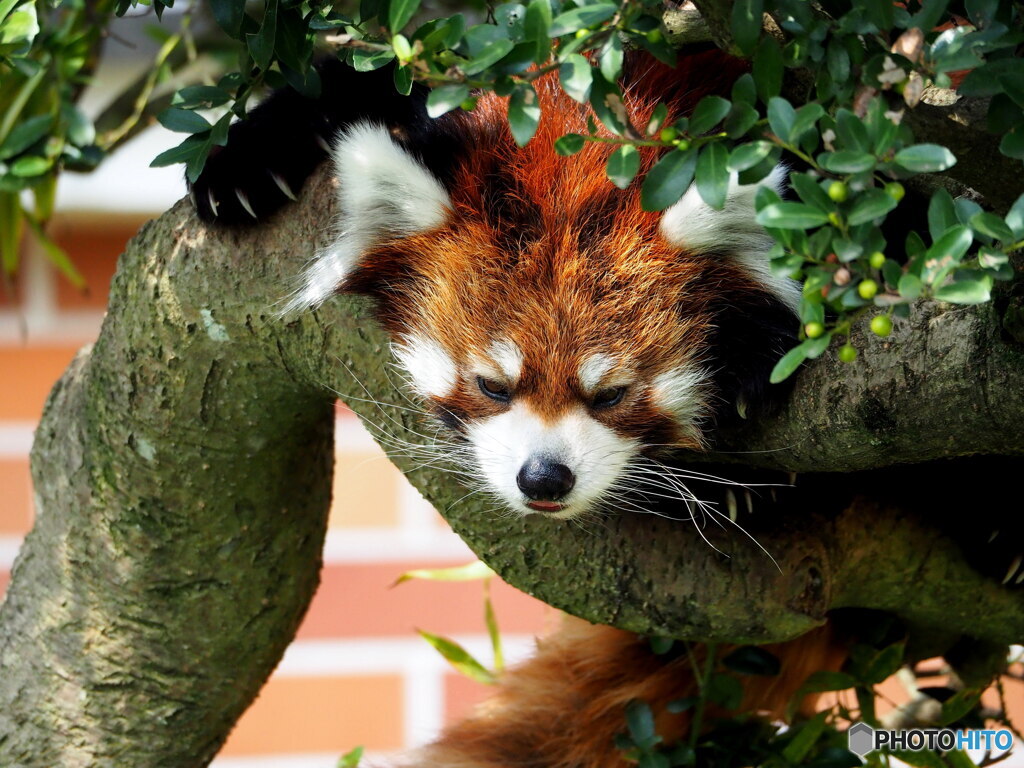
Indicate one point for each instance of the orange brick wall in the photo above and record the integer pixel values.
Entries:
(357, 674)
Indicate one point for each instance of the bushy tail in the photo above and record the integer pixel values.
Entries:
(563, 707)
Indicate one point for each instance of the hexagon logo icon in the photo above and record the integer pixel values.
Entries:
(861, 737)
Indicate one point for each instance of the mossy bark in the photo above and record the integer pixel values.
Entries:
(183, 467)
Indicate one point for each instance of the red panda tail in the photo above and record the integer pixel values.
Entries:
(563, 707)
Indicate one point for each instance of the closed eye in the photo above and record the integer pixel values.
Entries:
(494, 390)
(607, 398)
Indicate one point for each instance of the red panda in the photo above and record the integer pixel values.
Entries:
(565, 336)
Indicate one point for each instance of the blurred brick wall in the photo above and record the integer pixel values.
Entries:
(357, 674)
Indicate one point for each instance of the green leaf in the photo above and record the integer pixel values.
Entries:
(576, 77)
(536, 27)
(847, 161)
(810, 192)
(229, 15)
(767, 68)
(976, 291)
(806, 117)
(351, 759)
(746, 24)
(459, 658)
(1015, 217)
(200, 96)
(713, 175)
(838, 60)
(725, 691)
(446, 98)
(710, 111)
(261, 44)
(580, 18)
(925, 158)
(491, 621)
(369, 61)
(910, 286)
(869, 206)
(666, 182)
(183, 121)
(742, 117)
(804, 739)
(884, 664)
(181, 153)
(1012, 144)
(790, 215)
(25, 135)
(823, 680)
(953, 244)
(403, 80)
(748, 155)
(492, 52)
(744, 90)
(523, 114)
(958, 705)
(991, 225)
(851, 131)
(640, 721)
(56, 255)
(21, 26)
(941, 213)
(31, 165)
(569, 144)
(610, 59)
(752, 660)
(400, 12)
(468, 572)
(781, 117)
(788, 364)
(606, 101)
(623, 165)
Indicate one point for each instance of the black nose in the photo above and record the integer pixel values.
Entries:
(542, 479)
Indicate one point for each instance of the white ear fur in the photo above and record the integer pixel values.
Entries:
(693, 224)
(383, 192)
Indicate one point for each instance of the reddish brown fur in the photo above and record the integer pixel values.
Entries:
(563, 707)
(544, 251)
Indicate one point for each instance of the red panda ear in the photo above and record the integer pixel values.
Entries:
(694, 225)
(384, 192)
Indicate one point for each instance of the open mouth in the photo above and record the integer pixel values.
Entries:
(545, 506)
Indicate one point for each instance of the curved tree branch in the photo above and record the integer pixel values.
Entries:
(182, 472)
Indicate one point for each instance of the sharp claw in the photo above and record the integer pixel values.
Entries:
(741, 408)
(283, 186)
(992, 536)
(1020, 578)
(244, 200)
(1011, 572)
(192, 198)
(792, 478)
(323, 143)
(750, 501)
(775, 496)
(730, 501)
(213, 203)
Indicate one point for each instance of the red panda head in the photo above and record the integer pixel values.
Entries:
(539, 312)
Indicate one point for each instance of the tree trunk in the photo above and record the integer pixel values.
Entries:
(182, 473)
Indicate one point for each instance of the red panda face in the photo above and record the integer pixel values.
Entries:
(542, 315)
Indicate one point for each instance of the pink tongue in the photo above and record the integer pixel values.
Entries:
(544, 506)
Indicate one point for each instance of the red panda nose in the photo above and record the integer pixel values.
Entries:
(542, 479)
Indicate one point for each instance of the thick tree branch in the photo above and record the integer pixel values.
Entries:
(182, 472)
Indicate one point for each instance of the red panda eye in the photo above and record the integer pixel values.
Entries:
(606, 398)
(494, 390)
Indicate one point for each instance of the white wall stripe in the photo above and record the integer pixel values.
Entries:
(389, 655)
(16, 438)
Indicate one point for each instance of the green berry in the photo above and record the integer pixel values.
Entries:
(682, 144)
(895, 190)
(837, 191)
(814, 330)
(469, 104)
(867, 289)
(847, 353)
(668, 134)
(881, 325)
(582, 33)
(877, 260)
(655, 36)
(835, 220)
